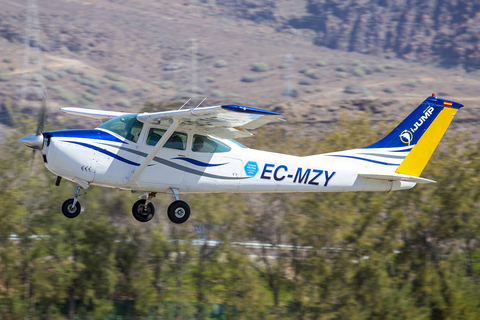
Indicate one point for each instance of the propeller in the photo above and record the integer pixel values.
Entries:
(35, 141)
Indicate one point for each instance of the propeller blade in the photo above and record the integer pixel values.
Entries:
(41, 118)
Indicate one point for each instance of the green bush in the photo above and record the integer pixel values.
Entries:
(304, 69)
(389, 66)
(4, 77)
(120, 86)
(89, 77)
(311, 73)
(211, 79)
(72, 71)
(282, 66)
(123, 102)
(378, 68)
(61, 73)
(67, 96)
(358, 72)
(260, 67)
(305, 81)
(231, 95)
(389, 89)
(112, 76)
(248, 77)
(167, 85)
(220, 64)
(51, 76)
(341, 68)
(147, 88)
(322, 63)
(217, 93)
(93, 91)
(342, 75)
(357, 63)
(89, 97)
(196, 90)
(291, 91)
(354, 88)
(7, 60)
(411, 84)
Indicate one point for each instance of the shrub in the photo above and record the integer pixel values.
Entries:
(282, 66)
(67, 96)
(220, 64)
(322, 63)
(305, 81)
(167, 85)
(389, 66)
(7, 60)
(217, 93)
(357, 63)
(89, 97)
(93, 91)
(411, 84)
(342, 75)
(291, 91)
(378, 68)
(211, 79)
(112, 76)
(231, 95)
(311, 73)
(147, 88)
(89, 77)
(196, 90)
(120, 86)
(341, 68)
(4, 77)
(260, 67)
(354, 88)
(72, 71)
(248, 77)
(358, 72)
(61, 73)
(389, 89)
(304, 69)
(122, 102)
(51, 76)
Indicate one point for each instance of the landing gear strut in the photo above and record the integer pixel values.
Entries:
(71, 208)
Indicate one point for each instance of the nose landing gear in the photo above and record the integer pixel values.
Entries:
(71, 208)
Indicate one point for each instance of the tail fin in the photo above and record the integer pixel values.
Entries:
(422, 130)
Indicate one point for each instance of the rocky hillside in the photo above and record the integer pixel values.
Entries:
(444, 32)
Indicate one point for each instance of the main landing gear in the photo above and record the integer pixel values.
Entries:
(178, 212)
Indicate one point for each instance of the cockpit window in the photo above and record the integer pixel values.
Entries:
(209, 145)
(177, 141)
(126, 126)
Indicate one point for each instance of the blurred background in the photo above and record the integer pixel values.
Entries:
(343, 73)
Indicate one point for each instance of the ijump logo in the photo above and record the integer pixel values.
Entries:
(407, 135)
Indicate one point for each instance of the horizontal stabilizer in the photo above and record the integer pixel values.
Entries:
(395, 177)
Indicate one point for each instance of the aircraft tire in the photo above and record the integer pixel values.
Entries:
(140, 214)
(178, 212)
(69, 211)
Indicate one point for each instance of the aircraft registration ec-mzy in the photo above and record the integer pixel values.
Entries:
(193, 151)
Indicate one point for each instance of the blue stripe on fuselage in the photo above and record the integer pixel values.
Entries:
(108, 153)
(93, 134)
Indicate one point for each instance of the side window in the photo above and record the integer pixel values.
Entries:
(209, 145)
(177, 141)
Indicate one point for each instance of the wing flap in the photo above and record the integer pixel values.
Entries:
(395, 177)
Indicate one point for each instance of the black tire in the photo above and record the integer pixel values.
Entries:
(69, 211)
(178, 212)
(142, 214)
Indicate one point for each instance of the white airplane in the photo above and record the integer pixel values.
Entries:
(193, 151)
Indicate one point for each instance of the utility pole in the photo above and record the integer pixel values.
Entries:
(32, 76)
(288, 76)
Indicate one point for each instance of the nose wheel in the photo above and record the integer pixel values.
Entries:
(71, 208)
(142, 211)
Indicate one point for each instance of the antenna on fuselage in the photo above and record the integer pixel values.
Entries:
(184, 104)
(200, 103)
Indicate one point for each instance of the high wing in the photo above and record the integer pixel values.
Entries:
(92, 113)
(225, 121)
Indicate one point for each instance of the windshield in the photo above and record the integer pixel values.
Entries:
(126, 126)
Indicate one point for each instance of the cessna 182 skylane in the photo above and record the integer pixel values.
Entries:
(193, 151)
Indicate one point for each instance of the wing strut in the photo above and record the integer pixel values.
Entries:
(176, 123)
